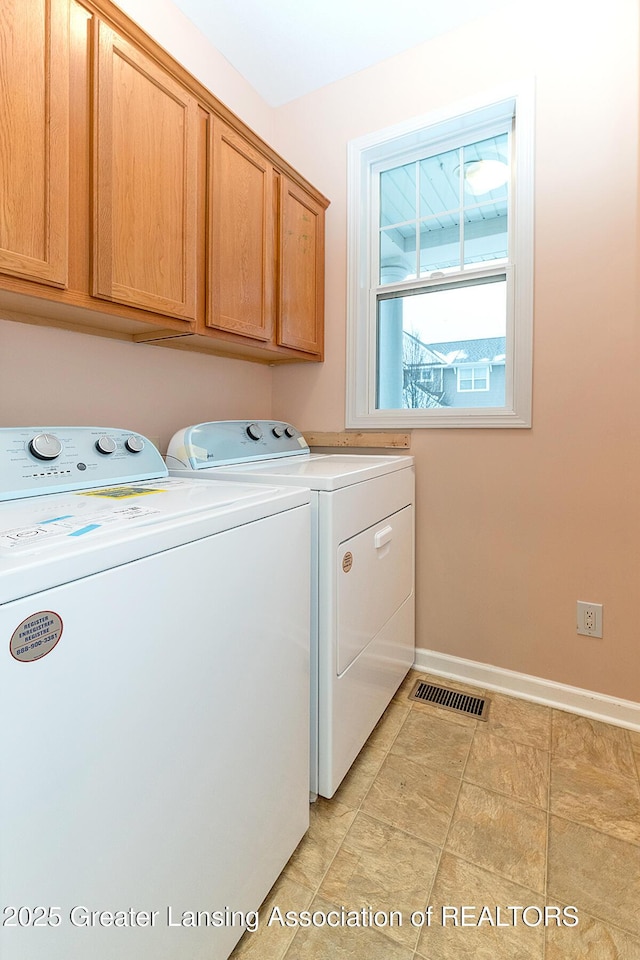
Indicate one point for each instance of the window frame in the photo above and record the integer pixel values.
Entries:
(426, 135)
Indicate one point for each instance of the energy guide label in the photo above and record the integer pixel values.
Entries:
(54, 529)
(121, 493)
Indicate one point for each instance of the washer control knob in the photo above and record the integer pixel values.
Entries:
(278, 432)
(134, 444)
(45, 446)
(254, 431)
(106, 445)
(290, 431)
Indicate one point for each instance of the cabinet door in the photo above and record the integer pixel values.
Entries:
(241, 266)
(301, 274)
(145, 160)
(34, 136)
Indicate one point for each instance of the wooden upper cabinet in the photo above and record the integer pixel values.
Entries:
(145, 181)
(241, 267)
(301, 270)
(34, 121)
(134, 204)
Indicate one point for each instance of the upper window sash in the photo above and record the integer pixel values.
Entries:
(453, 151)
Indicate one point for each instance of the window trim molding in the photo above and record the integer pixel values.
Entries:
(363, 154)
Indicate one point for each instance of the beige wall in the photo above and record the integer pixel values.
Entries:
(50, 377)
(515, 526)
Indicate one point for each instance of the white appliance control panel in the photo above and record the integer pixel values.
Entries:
(40, 460)
(233, 441)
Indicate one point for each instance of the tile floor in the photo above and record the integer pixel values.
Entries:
(533, 808)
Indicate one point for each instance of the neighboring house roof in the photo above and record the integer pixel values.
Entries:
(423, 352)
(482, 350)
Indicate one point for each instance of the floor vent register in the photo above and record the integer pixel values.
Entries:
(448, 699)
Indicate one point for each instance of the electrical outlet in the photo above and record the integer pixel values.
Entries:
(589, 619)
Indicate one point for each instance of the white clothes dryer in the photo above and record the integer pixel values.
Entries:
(154, 710)
(362, 569)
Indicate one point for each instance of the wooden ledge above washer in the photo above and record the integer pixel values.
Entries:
(396, 441)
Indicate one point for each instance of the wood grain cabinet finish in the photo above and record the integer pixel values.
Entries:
(266, 250)
(240, 261)
(135, 205)
(34, 118)
(301, 270)
(145, 182)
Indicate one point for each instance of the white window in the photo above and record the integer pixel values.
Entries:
(441, 269)
(472, 379)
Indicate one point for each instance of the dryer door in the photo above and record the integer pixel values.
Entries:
(375, 577)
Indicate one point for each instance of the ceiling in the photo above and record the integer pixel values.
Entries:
(287, 48)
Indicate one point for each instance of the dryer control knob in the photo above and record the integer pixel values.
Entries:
(134, 444)
(254, 431)
(106, 445)
(45, 446)
(290, 431)
(278, 432)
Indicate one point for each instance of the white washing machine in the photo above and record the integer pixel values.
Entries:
(154, 704)
(362, 568)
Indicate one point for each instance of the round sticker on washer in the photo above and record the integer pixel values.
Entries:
(347, 561)
(36, 636)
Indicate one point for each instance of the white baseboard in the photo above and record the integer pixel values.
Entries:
(587, 703)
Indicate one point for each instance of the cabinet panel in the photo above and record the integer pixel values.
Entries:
(301, 274)
(241, 271)
(145, 182)
(34, 120)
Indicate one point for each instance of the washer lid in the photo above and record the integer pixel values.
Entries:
(318, 471)
(49, 540)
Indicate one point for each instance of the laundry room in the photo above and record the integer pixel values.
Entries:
(524, 513)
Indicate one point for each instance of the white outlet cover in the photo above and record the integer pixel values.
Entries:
(589, 619)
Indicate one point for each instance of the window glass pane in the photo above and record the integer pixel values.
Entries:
(440, 183)
(398, 195)
(429, 342)
(397, 254)
(486, 169)
(440, 244)
(481, 171)
(485, 232)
